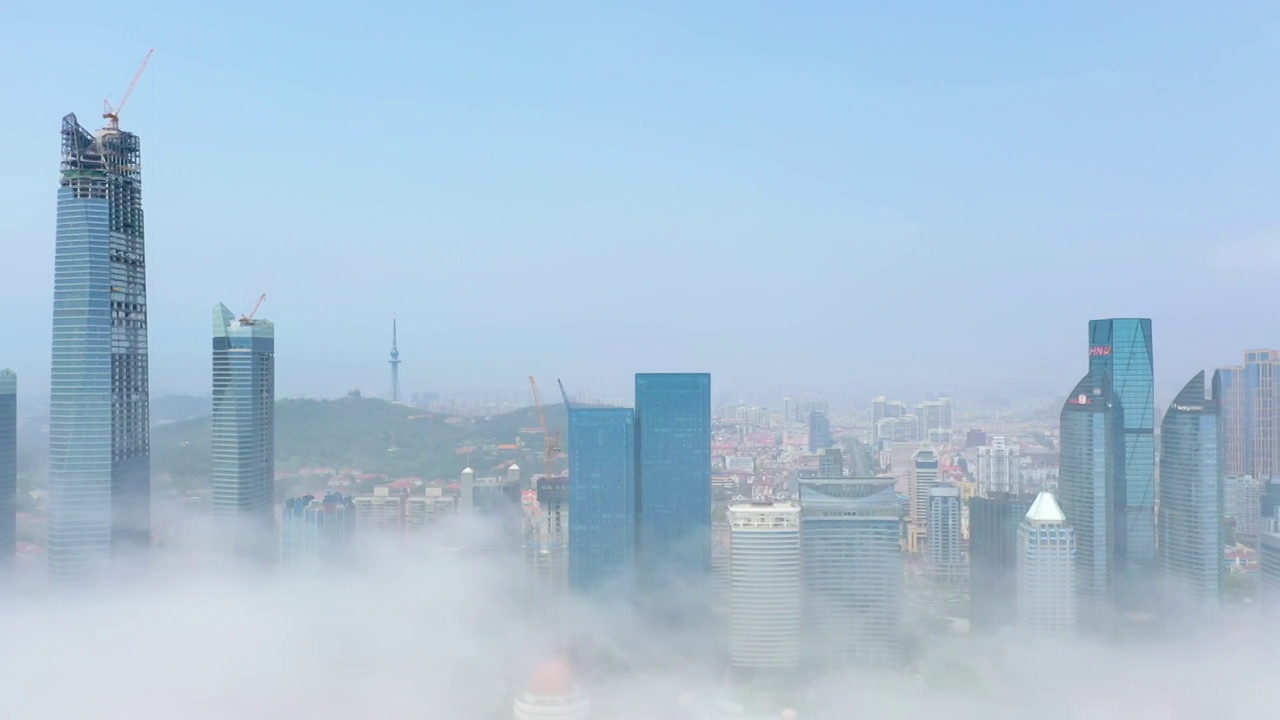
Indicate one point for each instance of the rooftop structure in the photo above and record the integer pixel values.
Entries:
(394, 362)
(552, 694)
(1046, 572)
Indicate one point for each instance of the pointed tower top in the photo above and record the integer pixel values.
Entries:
(1045, 510)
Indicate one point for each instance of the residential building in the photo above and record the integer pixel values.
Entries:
(934, 417)
(1120, 363)
(1046, 572)
(1242, 503)
(945, 546)
(831, 463)
(1262, 412)
(673, 428)
(993, 559)
(548, 543)
(493, 512)
(380, 513)
(99, 429)
(317, 532)
(8, 468)
(853, 573)
(1191, 508)
(765, 590)
(1091, 499)
(243, 427)
(1269, 567)
(998, 468)
(602, 496)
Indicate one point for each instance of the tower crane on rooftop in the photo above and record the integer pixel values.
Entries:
(552, 444)
(112, 115)
(247, 318)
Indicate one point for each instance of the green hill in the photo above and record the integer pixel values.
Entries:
(372, 435)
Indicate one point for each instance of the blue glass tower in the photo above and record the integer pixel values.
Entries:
(243, 427)
(1120, 363)
(8, 467)
(602, 496)
(99, 434)
(1191, 508)
(673, 427)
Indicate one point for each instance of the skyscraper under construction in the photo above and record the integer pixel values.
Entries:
(99, 441)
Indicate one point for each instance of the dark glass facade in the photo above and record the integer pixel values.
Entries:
(993, 558)
(243, 426)
(602, 496)
(8, 467)
(819, 431)
(1090, 498)
(1191, 508)
(99, 430)
(673, 427)
(1120, 363)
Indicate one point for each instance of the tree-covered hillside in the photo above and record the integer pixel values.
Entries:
(372, 435)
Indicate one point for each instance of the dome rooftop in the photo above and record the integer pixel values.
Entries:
(553, 678)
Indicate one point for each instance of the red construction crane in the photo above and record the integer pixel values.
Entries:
(552, 439)
(247, 318)
(112, 115)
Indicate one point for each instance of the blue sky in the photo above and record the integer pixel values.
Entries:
(927, 196)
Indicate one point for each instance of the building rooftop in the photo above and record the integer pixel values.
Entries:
(1045, 510)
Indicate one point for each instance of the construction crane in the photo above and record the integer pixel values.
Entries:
(247, 318)
(552, 439)
(112, 115)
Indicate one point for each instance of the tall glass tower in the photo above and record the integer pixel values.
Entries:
(673, 427)
(244, 432)
(1091, 500)
(1191, 508)
(8, 467)
(99, 438)
(1120, 363)
(602, 496)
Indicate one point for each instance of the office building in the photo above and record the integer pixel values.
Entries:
(493, 512)
(1262, 412)
(819, 431)
(831, 463)
(945, 550)
(552, 694)
(1120, 362)
(924, 478)
(243, 427)
(1191, 508)
(998, 468)
(1046, 572)
(852, 563)
(8, 468)
(316, 533)
(765, 590)
(673, 427)
(1229, 391)
(602, 496)
(99, 429)
(993, 559)
(1091, 499)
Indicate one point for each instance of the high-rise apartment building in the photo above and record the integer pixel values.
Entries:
(8, 468)
(945, 549)
(602, 496)
(852, 563)
(1120, 362)
(1262, 412)
(243, 427)
(1046, 572)
(1269, 567)
(998, 468)
(1242, 503)
(673, 427)
(831, 463)
(99, 429)
(934, 417)
(1191, 508)
(1091, 499)
(993, 558)
(765, 589)
(316, 533)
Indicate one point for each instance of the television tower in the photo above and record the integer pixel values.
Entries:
(395, 364)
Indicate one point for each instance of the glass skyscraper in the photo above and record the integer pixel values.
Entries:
(99, 441)
(673, 428)
(244, 432)
(1191, 508)
(602, 496)
(993, 543)
(1120, 363)
(1091, 500)
(8, 467)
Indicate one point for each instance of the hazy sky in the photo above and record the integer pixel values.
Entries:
(863, 195)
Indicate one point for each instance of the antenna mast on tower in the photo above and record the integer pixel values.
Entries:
(395, 364)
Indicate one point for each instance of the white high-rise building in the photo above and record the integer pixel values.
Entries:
(998, 468)
(1046, 571)
(765, 586)
(924, 478)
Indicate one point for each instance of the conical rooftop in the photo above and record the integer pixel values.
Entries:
(1045, 510)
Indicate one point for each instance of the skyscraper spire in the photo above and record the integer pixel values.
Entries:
(395, 364)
